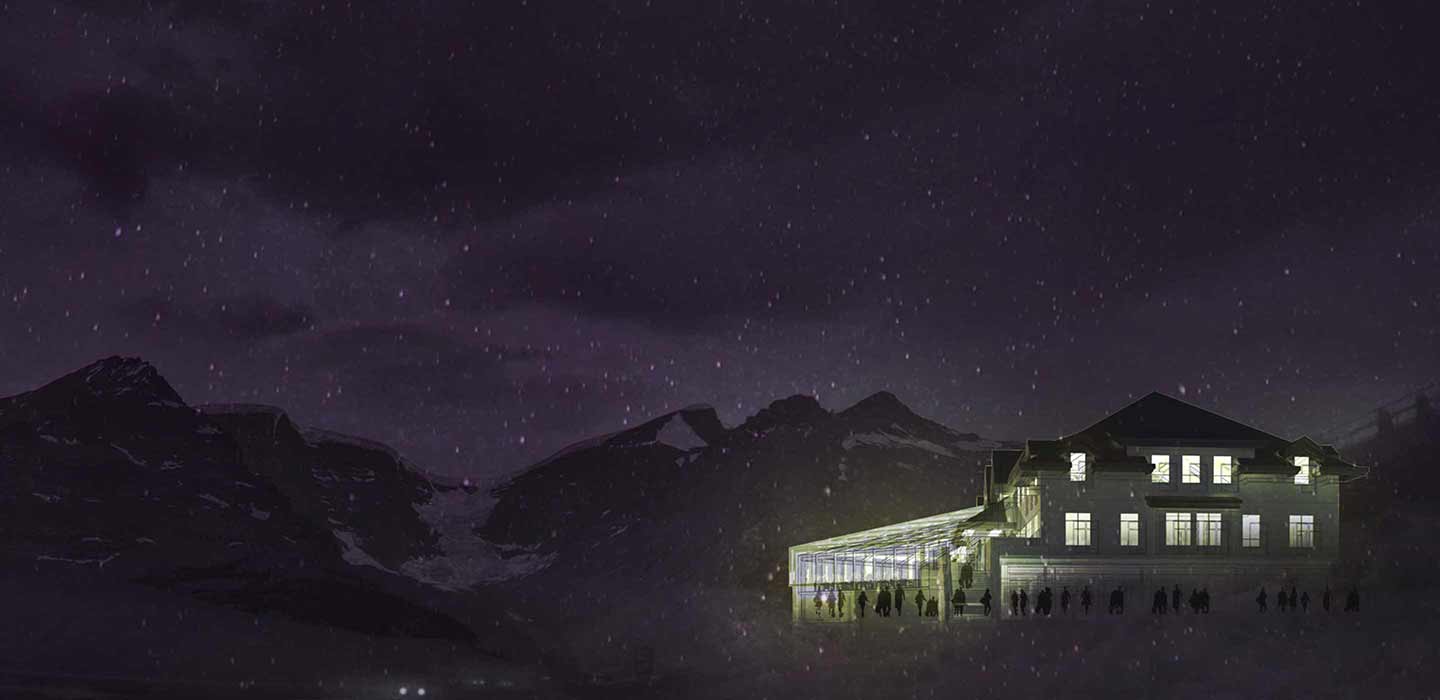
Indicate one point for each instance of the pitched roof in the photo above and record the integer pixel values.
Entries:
(1166, 418)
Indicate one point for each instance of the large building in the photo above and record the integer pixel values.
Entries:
(1160, 493)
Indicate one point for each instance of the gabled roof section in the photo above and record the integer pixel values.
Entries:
(1158, 417)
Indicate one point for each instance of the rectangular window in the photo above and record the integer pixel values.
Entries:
(1302, 531)
(1161, 473)
(1129, 529)
(1302, 470)
(1077, 529)
(1207, 529)
(1250, 530)
(1224, 469)
(1191, 473)
(1177, 529)
(1077, 466)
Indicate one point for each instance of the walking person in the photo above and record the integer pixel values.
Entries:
(1064, 600)
(1280, 599)
(899, 600)
(1024, 602)
(1305, 602)
(860, 604)
(1085, 600)
(1325, 600)
(882, 602)
(1352, 600)
(830, 601)
(840, 603)
(957, 602)
(967, 575)
(1205, 600)
(819, 602)
(1294, 602)
(1157, 604)
(1015, 603)
(920, 603)
(1260, 599)
(985, 602)
(1175, 599)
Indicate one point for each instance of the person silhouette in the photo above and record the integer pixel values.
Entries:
(1064, 600)
(985, 602)
(840, 603)
(1085, 599)
(1157, 604)
(1280, 599)
(957, 602)
(1175, 599)
(920, 603)
(1352, 600)
(1293, 600)
(1325, 599)
(1015, 603)
(860, 603)
(1260, 599)
(1305, 602)
(1024, 602)
(899, 600)
(819, 602)
(1205, 600)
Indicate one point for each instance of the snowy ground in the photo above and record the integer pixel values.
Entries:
(1385, 652)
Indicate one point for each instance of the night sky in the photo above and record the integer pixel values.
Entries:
(481, 231)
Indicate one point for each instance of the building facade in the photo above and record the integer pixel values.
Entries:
(1160, 493)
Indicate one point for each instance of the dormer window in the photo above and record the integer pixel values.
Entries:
(1302, 470)
(1160, 474)
(1191, 465)
(1077, 466)
(1224, 469)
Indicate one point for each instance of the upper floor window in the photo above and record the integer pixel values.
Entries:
(1224, 469)
(1302, 470)
(1161, 473)
(1250, 530)
(1177, 529)
(1302, 531)
(1129, 529)
(1077, 529)
(1207, 529)
(1077, 466)
(1191, 466)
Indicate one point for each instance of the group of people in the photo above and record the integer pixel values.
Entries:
(889, 601)
(1199, 601)
(1045, 601)
(1290, 601)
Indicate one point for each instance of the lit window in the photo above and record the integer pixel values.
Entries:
(1177, 529)
(1207, 529)
(1191, 465)
(1077, 529)
(1302, 470)
(1224, 469)
(1302, 531)
(1129, 529)
(1161, 473)
(1250, 530)
(1077, 466)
